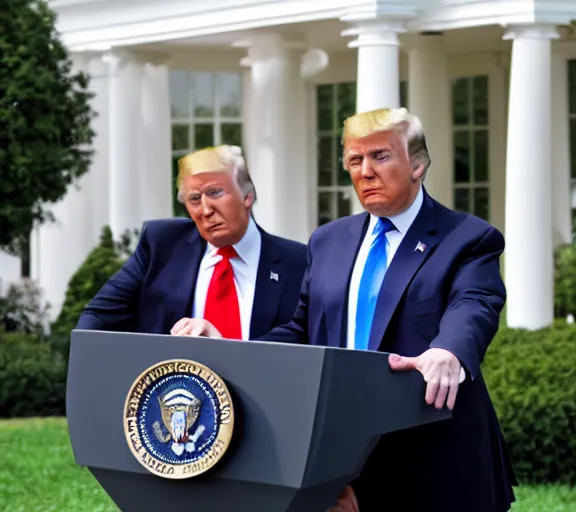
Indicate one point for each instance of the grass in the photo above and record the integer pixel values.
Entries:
(38, 474)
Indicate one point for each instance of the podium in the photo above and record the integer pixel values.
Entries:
(306, 419)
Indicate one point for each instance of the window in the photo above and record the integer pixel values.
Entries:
(471, 161)
(335, 102)
(572, 107)
(206, 111)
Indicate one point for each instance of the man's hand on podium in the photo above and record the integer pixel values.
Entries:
(194, 327)
(442, 372)
(347, 502)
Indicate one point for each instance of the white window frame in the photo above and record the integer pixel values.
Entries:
(346, 190)
(215, 120)
(470, 129)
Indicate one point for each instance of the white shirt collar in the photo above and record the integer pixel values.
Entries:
(403, 220)
(248, 248)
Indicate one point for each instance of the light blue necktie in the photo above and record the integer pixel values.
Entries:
(371, 282)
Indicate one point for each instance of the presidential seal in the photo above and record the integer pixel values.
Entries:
(178, 419)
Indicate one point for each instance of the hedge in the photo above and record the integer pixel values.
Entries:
(32, 377)
(531, 377)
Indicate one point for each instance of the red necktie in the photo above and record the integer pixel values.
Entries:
(222, 308)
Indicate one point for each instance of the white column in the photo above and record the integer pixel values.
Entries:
(378, 73)
(561, 183)
(58, 248)
(125, 138)
(278, 137)
(528, 258)
(247, 112)
(99, 172)
(429, 97)
(155, 173)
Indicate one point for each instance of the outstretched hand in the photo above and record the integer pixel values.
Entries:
(442, 372)
(194, 327)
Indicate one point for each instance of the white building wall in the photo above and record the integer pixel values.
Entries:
(130, 180)
(10, 271)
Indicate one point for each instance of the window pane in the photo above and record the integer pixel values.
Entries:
(203, 136)
(231, 133)
(404, 94)
(179, 94)
(324, 207)
(203, 94)
(572, 85)
(180, 140)
(177, 208)
(325, 159)
(480, 100)
(481, 202)
(462, 199)
(324, 97)
(481, 155)
(344, 204)
(346, 101)
(461, 157)
(230, 94)
(573, 147)
(460, 101)
(343, 175)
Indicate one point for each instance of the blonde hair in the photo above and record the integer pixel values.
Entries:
(367, 123)
(219, 158)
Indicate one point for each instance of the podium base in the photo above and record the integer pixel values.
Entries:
(209, 494)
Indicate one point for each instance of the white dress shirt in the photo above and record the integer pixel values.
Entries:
(245, 268)
(402, 222)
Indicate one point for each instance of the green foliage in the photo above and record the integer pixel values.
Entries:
(101, 264)
(23, 310)
(33, 377)
(33, 370)
(565, 281)
(45, 119)
(531, 377)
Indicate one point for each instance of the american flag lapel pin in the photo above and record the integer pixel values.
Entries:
(273, 276)
(420, 247)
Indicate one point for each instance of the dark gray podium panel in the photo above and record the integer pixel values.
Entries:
(306, 419)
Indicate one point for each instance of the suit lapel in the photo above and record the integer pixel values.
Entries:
(183, 267)
(337, 278)
(269, 284)
(405, 264)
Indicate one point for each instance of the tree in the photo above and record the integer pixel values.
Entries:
(45, 119)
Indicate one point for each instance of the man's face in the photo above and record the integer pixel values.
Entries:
(380, 168)
(217, 206)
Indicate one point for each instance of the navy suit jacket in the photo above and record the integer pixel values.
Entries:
(448, 296)
(155, 287)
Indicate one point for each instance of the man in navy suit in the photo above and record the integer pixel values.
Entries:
(220, 265)
(422, 282)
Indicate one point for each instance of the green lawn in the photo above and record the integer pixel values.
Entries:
(38, 474)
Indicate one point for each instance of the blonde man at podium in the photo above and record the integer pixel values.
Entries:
(422, 282)
(220, 265)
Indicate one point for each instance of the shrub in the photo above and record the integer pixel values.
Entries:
(101, 264)
(565, 281)
(22, 310)
(33, 377)
(531, 377)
